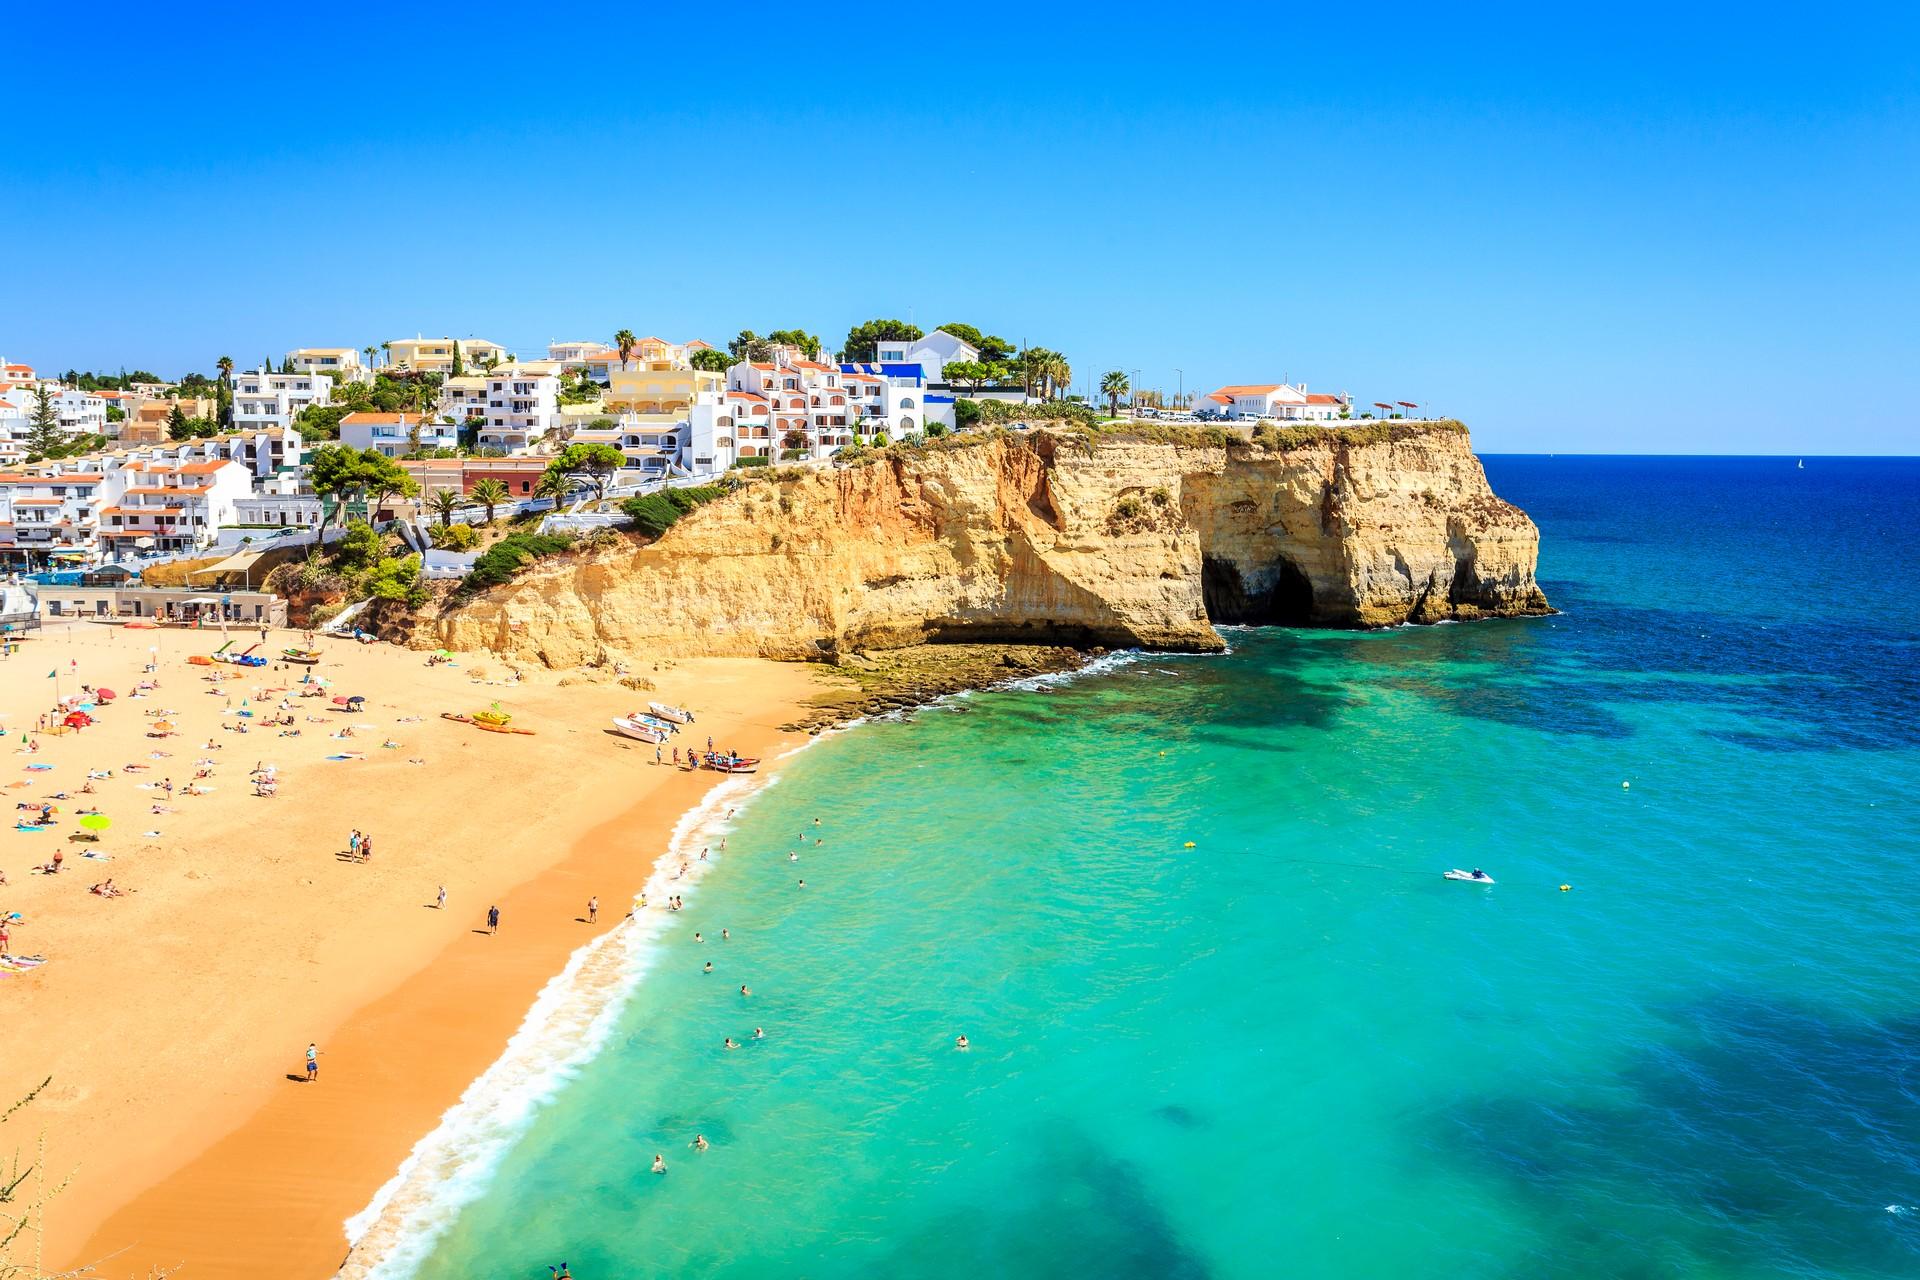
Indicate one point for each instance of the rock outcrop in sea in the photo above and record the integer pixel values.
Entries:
(1045, 537)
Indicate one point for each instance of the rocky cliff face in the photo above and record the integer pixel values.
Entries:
(1047, 538)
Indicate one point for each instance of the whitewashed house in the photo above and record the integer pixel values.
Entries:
(396, 435)
(263, 398)
(1286, 402)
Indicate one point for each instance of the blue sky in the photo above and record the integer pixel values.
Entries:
(1615, 229)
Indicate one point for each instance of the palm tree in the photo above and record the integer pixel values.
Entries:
(489, 493)
(368, 352)
(1113, 385)
(557, 485)
(443, 503)
(386, 349)
(626, 342)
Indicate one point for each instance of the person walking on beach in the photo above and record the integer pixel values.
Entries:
(593, 909)
(440, 899)
(313, 1063)
(353, 844)
(656, 753)
(493, 919)
(366, 848)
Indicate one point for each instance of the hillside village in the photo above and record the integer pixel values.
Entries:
(130, 469)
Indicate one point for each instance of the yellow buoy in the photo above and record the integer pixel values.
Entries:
(1625, 785)
(1189, 844)
(1565, 887)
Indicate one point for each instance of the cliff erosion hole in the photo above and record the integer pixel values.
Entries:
(1287, 603)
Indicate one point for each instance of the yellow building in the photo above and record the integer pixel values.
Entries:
(654, 379)
(435, 355)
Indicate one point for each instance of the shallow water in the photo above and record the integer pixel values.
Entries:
(1292, 1048)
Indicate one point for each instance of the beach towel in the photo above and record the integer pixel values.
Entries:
(23, 827)
(97, 857)
(149, 833)
(20, 964)
(355, 755)
(39, 768)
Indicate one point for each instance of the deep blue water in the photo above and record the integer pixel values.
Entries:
(1226, 1017)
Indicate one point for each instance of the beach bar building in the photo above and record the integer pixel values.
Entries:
(182, 605)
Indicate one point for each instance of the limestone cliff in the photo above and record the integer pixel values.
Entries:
(1053, 537)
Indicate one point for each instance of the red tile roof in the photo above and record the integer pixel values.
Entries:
(384, 419)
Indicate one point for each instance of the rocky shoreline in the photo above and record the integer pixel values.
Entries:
(883, 682)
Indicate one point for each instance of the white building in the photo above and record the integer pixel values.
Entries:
(522, 408)
(933, 353)
(396, 435)
(1290, 402)
(724, 426)
(897, 395)
(575, 352)
(263, 398)
(81, 413)
(464, 397)
(171, 506)
(15, 375)
(342, 361)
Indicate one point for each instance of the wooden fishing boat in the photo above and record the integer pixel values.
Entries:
(306, 657)
(729, 764)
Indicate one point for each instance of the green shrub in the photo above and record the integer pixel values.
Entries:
(965, 413)
(454, 537)
(655, 513)
(761, 461)
(507, 557)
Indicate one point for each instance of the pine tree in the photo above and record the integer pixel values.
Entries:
(176, 423)
(43, 432)
(457, 366)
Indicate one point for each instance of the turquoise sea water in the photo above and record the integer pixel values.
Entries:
(1292, 1049)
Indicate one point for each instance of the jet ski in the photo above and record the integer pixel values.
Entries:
(1471, 877)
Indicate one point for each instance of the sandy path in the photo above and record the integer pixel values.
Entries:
(170, 1019)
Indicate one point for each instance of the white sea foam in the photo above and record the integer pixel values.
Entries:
(1101, 665)
(567, 1025)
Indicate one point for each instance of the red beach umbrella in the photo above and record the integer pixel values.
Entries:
(105, 695)
(339, 702)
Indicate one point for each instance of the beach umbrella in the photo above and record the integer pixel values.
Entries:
(96, 822)
(165, 726)
(356, 698)
(105, 695)
(341, 702)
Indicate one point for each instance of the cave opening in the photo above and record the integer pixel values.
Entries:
(1287, 603)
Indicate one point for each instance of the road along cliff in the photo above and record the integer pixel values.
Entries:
(1045, 537)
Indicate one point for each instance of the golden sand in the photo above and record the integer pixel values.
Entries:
(173, 1021)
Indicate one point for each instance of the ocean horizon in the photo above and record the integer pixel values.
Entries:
(1224, 1015)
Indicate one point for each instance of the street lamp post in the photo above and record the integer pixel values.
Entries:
(1181, 395)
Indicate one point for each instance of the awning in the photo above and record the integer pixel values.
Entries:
(199, 600)
(236, 563)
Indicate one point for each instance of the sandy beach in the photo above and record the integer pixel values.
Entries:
(173, 1020)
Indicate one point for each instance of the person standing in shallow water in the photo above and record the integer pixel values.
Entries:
(593, 909)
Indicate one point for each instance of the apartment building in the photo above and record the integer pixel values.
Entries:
(15, 375)
(397, 434)
(263, 398)
(435, 355)
(522, 409)
(171, 506)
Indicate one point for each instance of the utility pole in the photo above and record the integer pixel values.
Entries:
(1182, 393)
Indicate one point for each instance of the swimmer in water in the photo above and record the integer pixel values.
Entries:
(659, 1163)
(759, 1033)
(697, 937)
(724, 935)
(699, 1142)
(709, 968)
(803, 884)
(744, 991)
(792, 856)
(960, 1042)
(728, 1043)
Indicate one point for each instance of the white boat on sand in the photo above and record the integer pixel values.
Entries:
(666, 712)
(633, 728)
